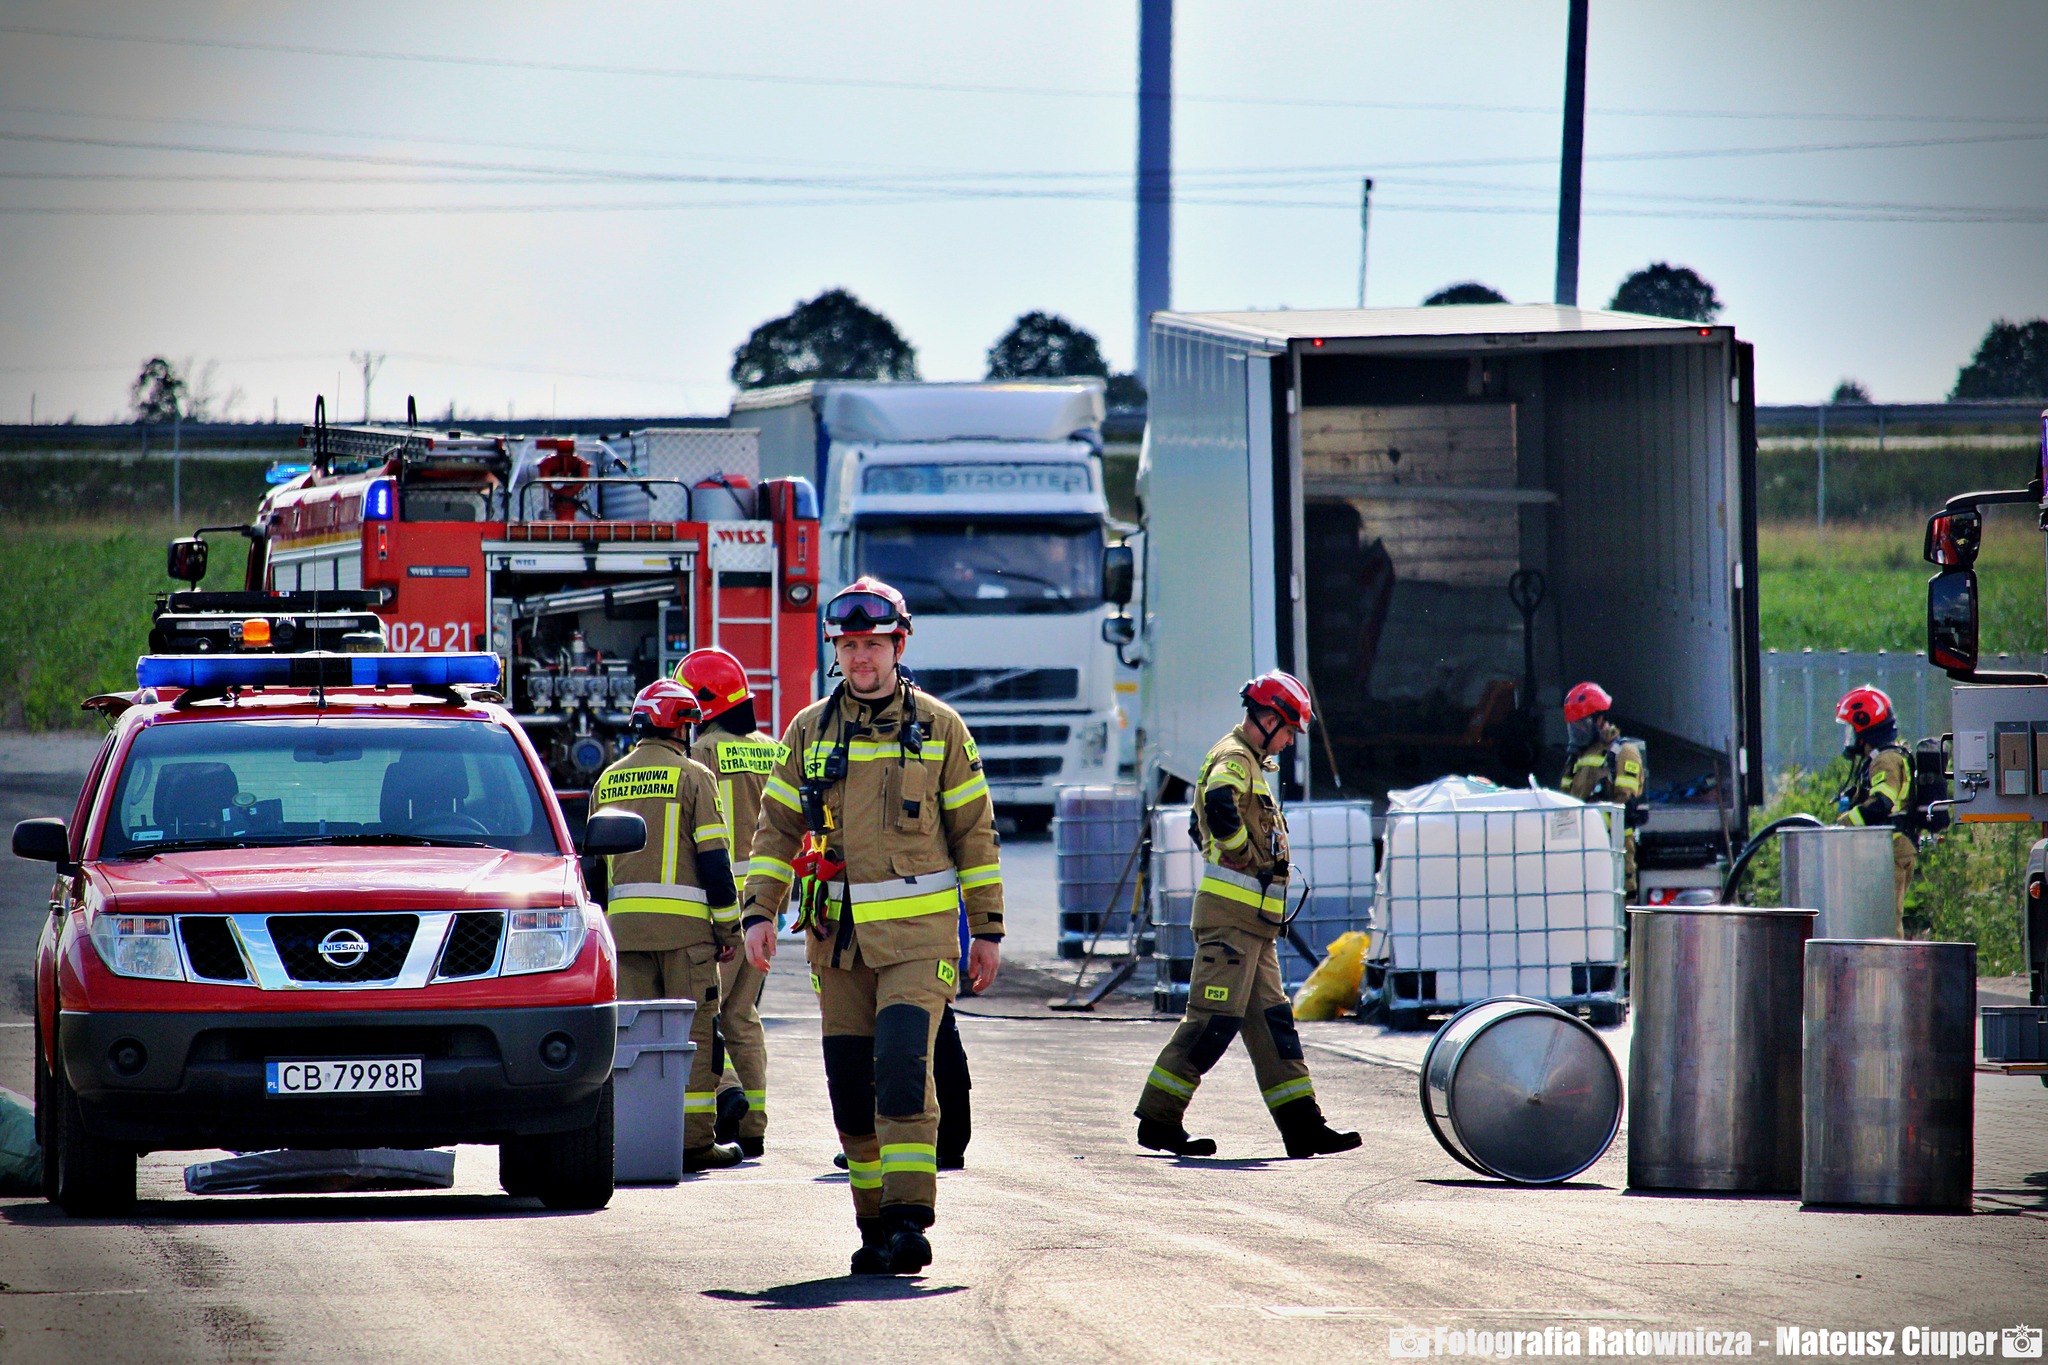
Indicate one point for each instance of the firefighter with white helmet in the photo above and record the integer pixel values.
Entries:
(670, 903)
(1240, 910)
(880, 818)
(729, 743)
(1600, 765)
(1880, 784)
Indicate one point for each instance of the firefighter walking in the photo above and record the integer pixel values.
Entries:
(1600, 765)
(1880, 784)
(666, 902)
(886, 783)
(1240, 909)
(740, 758)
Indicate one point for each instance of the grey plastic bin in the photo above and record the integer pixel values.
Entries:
(656, 1021)
(648, 1081)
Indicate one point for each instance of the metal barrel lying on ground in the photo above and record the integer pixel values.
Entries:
(1520, 1089)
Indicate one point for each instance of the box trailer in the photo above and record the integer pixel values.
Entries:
(1348, 494)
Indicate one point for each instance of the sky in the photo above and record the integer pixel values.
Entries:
(535, 209)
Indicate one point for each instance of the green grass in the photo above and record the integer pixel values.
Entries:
(1965, 888)
(1864, 586)
(74, 616)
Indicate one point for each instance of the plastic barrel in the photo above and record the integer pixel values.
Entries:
(1713, 1071)
(1519, 1089)
(648, 1081)
(656, 1021)
(1889, 1073)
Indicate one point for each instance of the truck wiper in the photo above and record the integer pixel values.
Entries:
(181, 846)
(404, 840)
(297, 841)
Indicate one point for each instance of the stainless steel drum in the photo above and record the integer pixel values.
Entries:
(1519, 1089)
(1890, 1081)
(1713, 1069)
(1844, 872)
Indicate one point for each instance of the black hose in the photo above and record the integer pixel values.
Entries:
(1749, 849)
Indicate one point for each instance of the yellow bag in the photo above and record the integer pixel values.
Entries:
(1333, 986)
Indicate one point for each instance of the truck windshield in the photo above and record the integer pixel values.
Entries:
(993, 567)
(244, 784)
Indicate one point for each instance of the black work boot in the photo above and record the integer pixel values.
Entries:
(732, 1106)
(714, 1156)
(873, 1256)
(1306, 1134)
(751, 1146)
(909, 1251)
(1162, 1136)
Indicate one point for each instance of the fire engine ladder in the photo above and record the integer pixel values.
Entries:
(382, 443)
(761, 680)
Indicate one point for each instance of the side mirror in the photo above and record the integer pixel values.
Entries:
(1953, 539)
(187, 560)
(1119, 631)
(47, 840)
(612, 832)
(1119, 572)
(1952, 620)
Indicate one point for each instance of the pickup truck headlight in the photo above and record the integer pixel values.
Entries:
(542, 940)
(137, 945)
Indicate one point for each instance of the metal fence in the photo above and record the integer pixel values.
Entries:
(1801, 689)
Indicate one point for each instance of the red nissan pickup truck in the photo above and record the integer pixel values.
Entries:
(321, 901)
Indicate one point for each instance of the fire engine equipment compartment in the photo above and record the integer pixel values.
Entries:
(1345, 495)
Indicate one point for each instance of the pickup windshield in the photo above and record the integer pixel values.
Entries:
(256, 783)
(987, 568)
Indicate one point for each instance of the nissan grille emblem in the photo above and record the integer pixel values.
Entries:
(343, 948)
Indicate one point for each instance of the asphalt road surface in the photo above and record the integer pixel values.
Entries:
(1061, 1241)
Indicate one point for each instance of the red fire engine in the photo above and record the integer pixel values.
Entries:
(590, 566)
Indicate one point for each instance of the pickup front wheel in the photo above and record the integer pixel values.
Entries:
(94, 1178)
(569, 1171)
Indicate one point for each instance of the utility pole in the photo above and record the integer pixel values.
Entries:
(177, 458)
(1154, 264)
(1573, 158)
(1820, 468)
(1364, 223)
(371, 361)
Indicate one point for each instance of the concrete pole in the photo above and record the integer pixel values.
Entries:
(1573, 156)
(1155, 172)
(177, 463)
(1820, 466)
(1364, 223)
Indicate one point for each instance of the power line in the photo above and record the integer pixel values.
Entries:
(958, 88)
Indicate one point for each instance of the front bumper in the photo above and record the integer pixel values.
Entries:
(203, 1081)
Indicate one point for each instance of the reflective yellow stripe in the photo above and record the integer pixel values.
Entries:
(865, 1175)
(909, 1158)
(939, 902)
(726, 914)
(1288, 1090)
(1884, 786)
(758, 1099)
(725, 813)
(1593, 761)
(1235, 841)
(761, 865)
(783, 792)
(992, 875)
(699, 1102)
(671, 822)
(1171, 1084)
(656, 905)
(1268, 904)
(1854, 816)
(871, 751)
(953, 798)
(706, 832)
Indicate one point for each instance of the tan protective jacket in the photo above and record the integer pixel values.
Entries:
(1608, 769)
(1243, 883)
(740, 766)
(657, 903)
(917, 832)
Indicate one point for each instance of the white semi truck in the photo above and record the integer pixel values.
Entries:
(1347, 495)
(983, 503)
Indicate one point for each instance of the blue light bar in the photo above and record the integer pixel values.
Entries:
(380, 500)
(283, 471)
(317, 670)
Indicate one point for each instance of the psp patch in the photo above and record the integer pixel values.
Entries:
(637, 784)
(1215, 992)
(947, 973)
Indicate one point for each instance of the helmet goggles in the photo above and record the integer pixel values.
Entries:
(862, 613)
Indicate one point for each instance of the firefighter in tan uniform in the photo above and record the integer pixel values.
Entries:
(1880, 784)
(664, 902)
(1240, 909)
(887, 785)
(740, 759)
(1600, 765)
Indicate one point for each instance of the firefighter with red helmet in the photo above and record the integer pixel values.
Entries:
(1600, 765)
(1880, 783)
(669, 903)
(730, 744)
(1239, 912)
(878, 819)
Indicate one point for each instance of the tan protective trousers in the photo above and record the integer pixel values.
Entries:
(683, 974)
(746, 1043)
(879, 1023)
(1234, 988)
(1905, 852)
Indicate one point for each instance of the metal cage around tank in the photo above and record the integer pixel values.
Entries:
(1095, 835)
